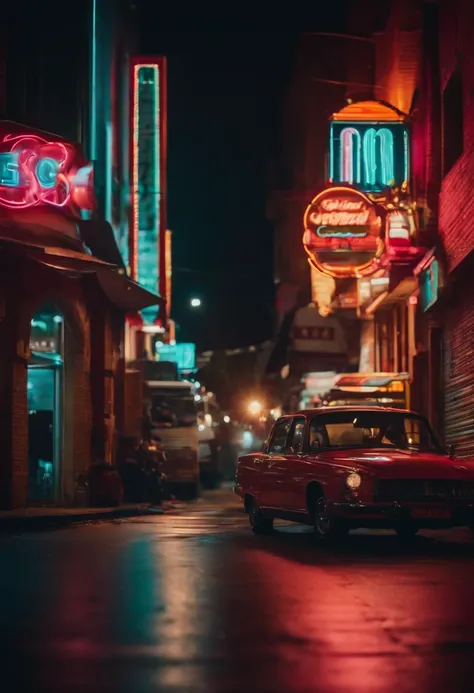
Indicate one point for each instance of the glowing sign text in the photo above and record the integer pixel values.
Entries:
(342, 233)
(35, 171)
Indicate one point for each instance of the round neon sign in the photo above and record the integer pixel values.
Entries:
(36, 171)
(343, 233)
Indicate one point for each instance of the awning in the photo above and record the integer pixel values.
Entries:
(98, 235)
(402, 285)
(125, 293)
(56, 257)
(118, 287)
(368, 380)
(67, 260)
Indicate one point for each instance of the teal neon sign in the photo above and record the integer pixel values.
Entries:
(371, 156)
(429, 286)
(47, 172)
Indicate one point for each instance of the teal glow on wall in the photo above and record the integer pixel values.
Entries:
(429, 286)
(372, 156)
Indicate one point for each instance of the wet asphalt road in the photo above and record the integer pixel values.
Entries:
(194, 602)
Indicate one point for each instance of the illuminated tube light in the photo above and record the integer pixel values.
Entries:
(350, 153)
(135, 176)
(169, 270)
(38, 166)
(331, 155)
(47, 172)
(9, 173)
(378, 170)
(406, 152)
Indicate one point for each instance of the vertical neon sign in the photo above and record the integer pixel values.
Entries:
(148, 176)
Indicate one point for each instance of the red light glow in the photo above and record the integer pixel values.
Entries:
(35, 171)
(343, 233)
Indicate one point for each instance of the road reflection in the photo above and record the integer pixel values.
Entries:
(130, 608)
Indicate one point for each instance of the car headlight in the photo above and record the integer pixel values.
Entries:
(353, 480)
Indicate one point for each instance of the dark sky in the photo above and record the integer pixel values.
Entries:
(224, 91)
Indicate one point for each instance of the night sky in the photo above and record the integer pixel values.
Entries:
(225, 90)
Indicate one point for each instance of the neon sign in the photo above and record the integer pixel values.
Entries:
(342, 235)
(429, 285)
(369, 147)
(147, 243)
(36, 171)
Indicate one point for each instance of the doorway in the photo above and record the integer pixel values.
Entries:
(45, 377)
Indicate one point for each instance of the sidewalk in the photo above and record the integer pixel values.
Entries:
(40, 518)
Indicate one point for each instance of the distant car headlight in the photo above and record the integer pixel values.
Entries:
(353, 480)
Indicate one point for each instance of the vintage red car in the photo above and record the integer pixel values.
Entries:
(341, 468)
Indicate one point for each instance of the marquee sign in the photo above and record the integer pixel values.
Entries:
(37, 170)
(343, 233)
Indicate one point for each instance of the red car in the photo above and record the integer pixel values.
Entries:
(340, 468)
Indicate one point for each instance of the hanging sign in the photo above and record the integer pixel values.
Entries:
(369, 146)
(37, 170)
(343, 233)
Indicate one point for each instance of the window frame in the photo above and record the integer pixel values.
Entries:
(297, 420)
(271, 437)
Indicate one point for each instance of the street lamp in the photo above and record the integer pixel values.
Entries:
(195, 302)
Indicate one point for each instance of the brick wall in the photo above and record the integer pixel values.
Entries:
(456, 220)
(398, 55)
(24, 288)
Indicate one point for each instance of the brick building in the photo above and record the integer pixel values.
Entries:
(390, 320)
(64, 289)
(449, 310)
(423, 322)
(329, 70)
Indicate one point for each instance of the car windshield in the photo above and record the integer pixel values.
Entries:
(170, 410)
(372, 429)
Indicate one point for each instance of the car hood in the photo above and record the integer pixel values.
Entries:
(400, 463)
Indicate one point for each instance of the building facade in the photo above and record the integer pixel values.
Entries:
(65, 291)
(330, 71)
(445, 282)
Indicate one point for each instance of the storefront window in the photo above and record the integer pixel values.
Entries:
(44, 404)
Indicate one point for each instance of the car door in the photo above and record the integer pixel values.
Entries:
(287, 469)
(271, 463)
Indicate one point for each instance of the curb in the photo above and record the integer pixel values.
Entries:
(32, 523)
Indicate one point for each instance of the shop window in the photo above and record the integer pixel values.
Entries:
(44, 404)
(453, 122)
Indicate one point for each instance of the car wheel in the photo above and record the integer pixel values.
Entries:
(406, 531)
(258, 523)
(327, 528)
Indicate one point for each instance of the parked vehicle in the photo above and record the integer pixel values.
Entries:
(348, 467)
(172, 415)
(209, 416)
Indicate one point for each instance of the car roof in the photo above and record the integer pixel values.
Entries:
(327, 410)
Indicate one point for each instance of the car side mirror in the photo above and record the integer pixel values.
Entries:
(451, 451)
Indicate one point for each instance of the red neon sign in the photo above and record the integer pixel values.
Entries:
(39, 171)
(343, 233)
